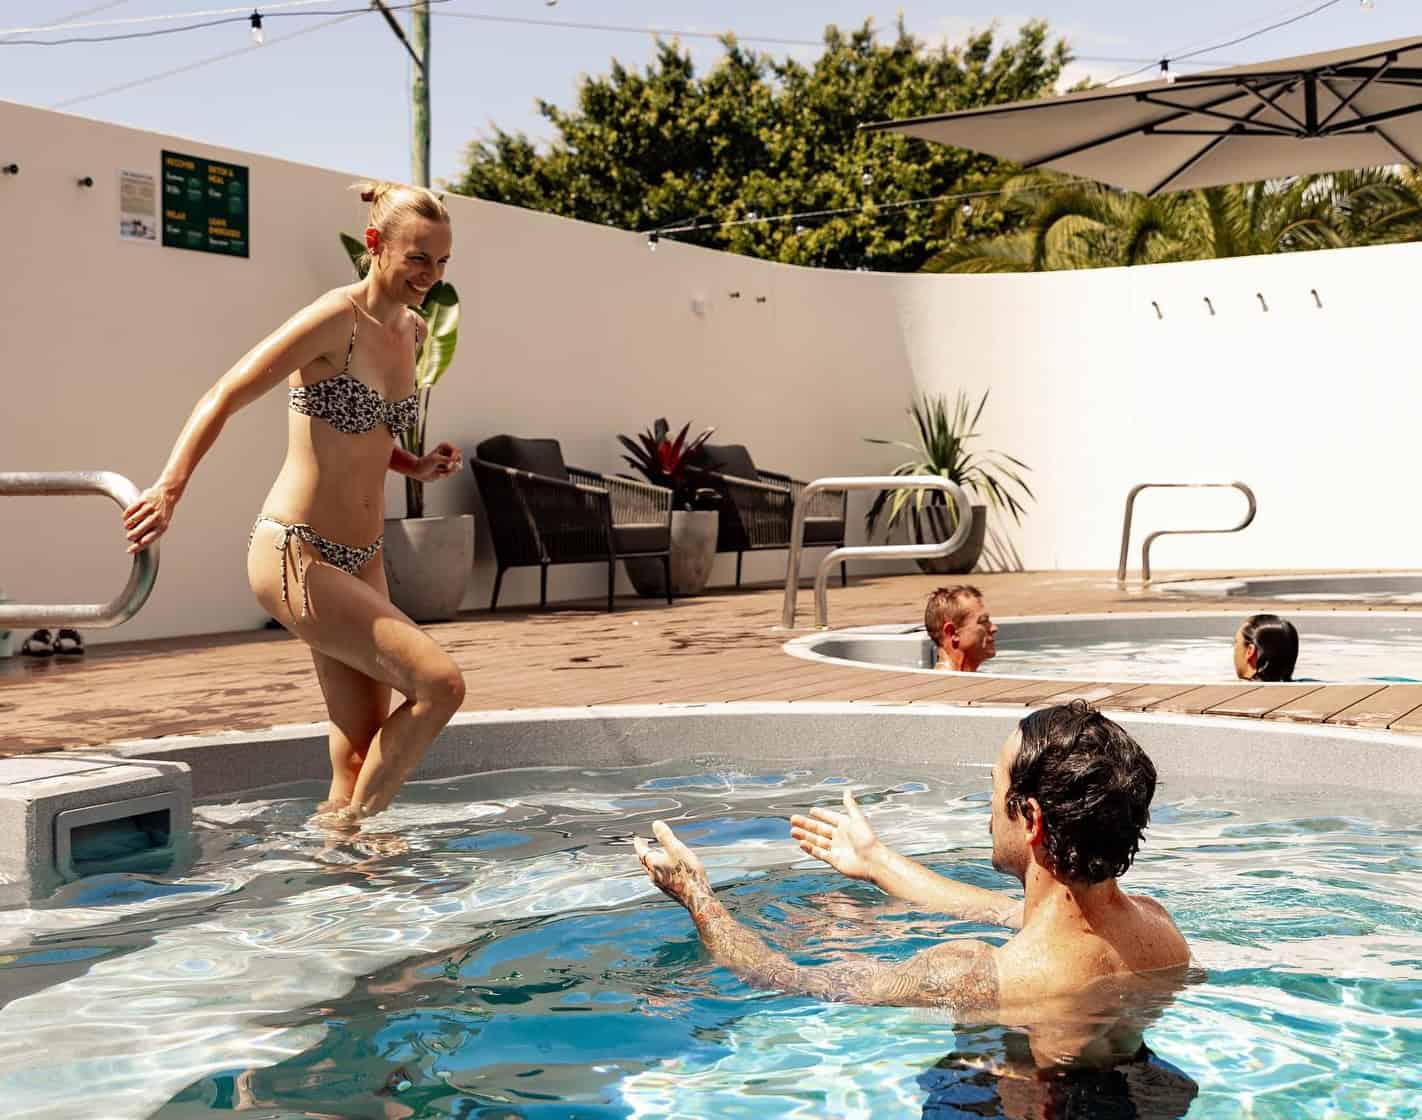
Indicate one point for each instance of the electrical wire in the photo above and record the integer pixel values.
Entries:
(200, 63)
(244, 18)
(1189, 54)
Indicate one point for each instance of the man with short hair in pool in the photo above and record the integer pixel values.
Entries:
(964, 634)
(1071, 793)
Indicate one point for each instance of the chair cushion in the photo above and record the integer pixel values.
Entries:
(655, 537)
(536, 456)
(824, 530)
(732, 459)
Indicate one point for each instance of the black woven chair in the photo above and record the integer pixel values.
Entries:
(757, 507)
(544, 512)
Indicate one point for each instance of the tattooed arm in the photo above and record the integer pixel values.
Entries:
(961, 975)
(847, 842)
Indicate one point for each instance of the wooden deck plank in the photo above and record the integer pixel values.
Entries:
(1097, 695)
(1145, 696)
(1199, 700)
(1379, 708)
(1260, 702)
(1318, 706)
(1027, 694)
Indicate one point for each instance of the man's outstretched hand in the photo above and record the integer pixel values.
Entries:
(675, 868)
(845, 841)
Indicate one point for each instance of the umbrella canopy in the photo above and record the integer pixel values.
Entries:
(1360, 107)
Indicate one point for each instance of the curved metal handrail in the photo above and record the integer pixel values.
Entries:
(900, 551)
(141, 578)
(1145, 546)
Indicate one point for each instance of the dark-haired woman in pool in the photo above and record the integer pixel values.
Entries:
(1266, 648)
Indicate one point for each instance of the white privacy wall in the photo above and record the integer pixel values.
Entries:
(580, 332)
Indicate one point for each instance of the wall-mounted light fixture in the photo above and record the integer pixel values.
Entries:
(734, 295)
(86, 181)
(760, 299)
(652, 240)
(10, 169)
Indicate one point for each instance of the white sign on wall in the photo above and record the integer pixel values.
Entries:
(138, 206)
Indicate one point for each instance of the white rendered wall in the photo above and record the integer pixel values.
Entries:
(580, 332)
(569, 330)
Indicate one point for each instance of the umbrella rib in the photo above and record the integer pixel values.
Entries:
(1273, 102)
(1121, 134)
(1197, 157)
(1373, 128)
(1150, 99)
(1345, 102)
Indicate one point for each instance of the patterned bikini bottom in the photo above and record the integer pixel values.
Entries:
(343, 556)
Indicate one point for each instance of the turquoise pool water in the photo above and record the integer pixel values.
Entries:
(497, 953)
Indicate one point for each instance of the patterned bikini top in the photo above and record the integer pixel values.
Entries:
(350, 405)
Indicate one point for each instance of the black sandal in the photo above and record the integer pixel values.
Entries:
(69, 644)
(38, 644)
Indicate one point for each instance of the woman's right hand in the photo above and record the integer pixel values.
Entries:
(147, 519)
(846, 841)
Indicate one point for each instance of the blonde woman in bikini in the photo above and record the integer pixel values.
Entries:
(314, 555)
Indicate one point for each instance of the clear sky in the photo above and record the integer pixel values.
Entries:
(337, 96)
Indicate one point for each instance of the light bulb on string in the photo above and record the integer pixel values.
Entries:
(258, 35)
(1165, 71)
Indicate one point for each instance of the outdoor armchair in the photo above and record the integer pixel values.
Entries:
(543, 512)
(757, 507)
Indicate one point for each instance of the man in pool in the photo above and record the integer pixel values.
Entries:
(963, 632)
(1071, 793)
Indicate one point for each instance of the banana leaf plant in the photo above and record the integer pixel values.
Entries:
(667, 461)
(440, 311)
(944, 434)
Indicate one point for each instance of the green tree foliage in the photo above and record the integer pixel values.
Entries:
(1050, 222)
(760, 136)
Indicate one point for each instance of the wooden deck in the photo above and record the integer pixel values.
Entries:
(717, 647)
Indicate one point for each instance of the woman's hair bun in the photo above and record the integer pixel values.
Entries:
(367, 195)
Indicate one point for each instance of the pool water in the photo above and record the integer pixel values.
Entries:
(492, 949)
(1376, 655)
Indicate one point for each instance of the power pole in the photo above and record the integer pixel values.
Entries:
(420, 88)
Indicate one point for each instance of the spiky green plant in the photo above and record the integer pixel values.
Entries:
(440, 311)
(943, 448)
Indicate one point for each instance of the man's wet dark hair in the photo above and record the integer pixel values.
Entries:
(1276, 646)
(1094, 784)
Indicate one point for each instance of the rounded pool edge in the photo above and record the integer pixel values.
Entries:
(1214, 747)
(1083, 626)
(1343, 587)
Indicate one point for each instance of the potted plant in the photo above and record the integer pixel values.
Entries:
(667, 461)
(429, 561)
(944, 435)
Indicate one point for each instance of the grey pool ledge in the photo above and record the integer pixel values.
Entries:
(809, 733)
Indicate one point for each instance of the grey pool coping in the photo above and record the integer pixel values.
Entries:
(1113, 624)
(885, 734)
(1346, 584)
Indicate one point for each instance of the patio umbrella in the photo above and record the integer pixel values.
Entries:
(1359, 107)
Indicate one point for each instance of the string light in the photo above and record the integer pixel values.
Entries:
(258, 35)
(1165, 71)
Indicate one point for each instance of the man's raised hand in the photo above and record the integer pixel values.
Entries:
(845, 841)
(675, 869)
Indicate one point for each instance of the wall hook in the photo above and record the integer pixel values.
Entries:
(10, 169)
(86, 181)
(1210, 305)
(1262, 302)
(734, 295)
(760, 299)
(1159, 314)
(1317, 302)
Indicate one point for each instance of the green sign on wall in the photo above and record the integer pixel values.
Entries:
(204, 205)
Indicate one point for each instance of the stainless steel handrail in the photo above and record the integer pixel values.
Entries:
(1145, 546)
(141, 578)
(886, 551)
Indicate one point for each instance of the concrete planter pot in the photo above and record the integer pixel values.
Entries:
(693, 549)
(429, 562)
(938, 527)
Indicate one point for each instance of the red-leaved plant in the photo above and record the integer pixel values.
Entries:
(664, 460)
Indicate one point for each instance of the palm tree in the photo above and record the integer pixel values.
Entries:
(1056, 223)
